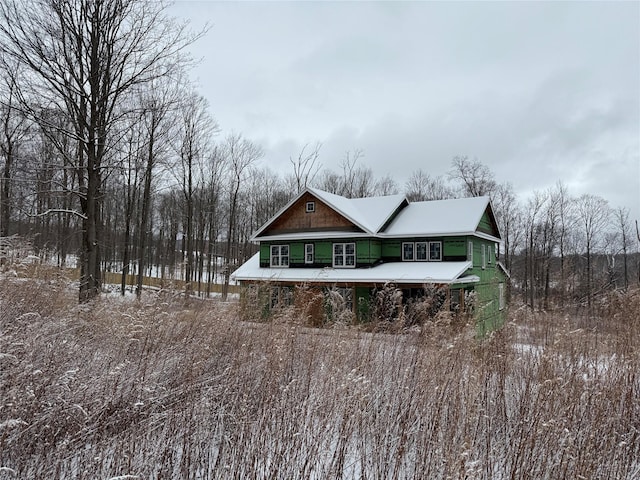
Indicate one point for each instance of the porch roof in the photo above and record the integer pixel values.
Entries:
(396, 272)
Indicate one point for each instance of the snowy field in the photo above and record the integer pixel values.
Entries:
(175, 388)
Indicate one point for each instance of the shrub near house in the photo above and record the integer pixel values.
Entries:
(356, 246)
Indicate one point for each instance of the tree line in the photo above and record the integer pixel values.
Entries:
(113, 160)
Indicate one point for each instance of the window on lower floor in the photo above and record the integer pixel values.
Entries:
(344, 255)
(279, 255)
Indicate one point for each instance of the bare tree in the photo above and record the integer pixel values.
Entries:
(196, 128)
(417, 186)
(240, 154)
(593, 214)
(508, 215)
(84, 57)
(14, 127)
(475, 177)
(350, 173)
(129, 172)
(534, 207)
(421, 186)
(386, 186)
(306, 166)
(156, 104)
(622, 221)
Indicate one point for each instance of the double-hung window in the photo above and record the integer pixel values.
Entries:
(344, 255)
(308, 253)
(279, 255)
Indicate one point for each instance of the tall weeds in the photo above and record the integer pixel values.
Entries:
(168, 389)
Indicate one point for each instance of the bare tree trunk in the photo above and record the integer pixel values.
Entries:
(146, 206)
(5, 200)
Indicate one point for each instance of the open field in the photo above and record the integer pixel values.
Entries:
(169, 389)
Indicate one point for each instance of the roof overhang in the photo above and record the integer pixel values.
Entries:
(393, 272)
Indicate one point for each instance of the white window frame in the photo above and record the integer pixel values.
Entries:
(344, 255)
(439, 259)
(413, 252)
(279, 255)
(484, 256)
(309, 255)
(470, 251)
(426, 252)
(310, 207)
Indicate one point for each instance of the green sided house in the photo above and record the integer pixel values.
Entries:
(359, 245)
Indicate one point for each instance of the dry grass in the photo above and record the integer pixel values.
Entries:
(167, 389)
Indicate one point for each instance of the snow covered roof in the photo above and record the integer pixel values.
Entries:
(370, 213)
(397, 272)
(392, 216)
(438, 217)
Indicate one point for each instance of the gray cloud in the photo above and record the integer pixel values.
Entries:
(538, 91)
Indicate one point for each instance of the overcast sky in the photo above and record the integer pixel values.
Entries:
(538, 91)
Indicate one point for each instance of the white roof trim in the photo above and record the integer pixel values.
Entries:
(317, 236)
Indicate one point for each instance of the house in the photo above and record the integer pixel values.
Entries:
(359, 245)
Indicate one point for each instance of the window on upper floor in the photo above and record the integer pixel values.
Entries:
(344, 255)
(308, 253)
(435, 251)
(279, 256)
(470, 252)
(310, 207)
(408, 251)
(421, 251)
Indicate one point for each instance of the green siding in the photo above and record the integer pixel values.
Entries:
(487, 309)
(264, 253)
(392, 248)
(296, 253)
(324, 252)
(486, 225)
(367, 251)
(454, 246)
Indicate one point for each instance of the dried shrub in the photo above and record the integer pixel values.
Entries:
(308, 303)
(387, 305)
(164, 388)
